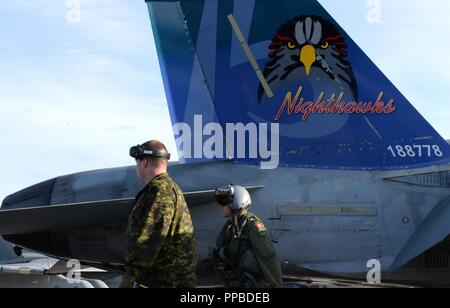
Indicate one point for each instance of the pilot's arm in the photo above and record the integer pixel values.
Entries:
(221, 238)
(265, 253)
(143, 252)
(220, 252)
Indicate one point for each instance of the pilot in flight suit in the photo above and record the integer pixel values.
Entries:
(244, 252)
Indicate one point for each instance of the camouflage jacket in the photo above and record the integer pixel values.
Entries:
(160, 237)
(248, 249)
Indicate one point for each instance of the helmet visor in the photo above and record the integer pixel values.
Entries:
(224, 195)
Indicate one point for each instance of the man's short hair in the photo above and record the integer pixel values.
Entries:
(156, 145)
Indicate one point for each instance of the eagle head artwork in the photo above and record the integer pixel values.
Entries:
(309, 49)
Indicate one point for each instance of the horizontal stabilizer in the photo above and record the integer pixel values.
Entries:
(432, 230)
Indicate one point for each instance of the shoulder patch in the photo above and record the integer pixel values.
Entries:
(260, 228)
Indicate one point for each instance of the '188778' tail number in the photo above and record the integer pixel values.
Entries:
(416, 150)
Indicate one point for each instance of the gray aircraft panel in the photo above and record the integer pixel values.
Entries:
(324, 220)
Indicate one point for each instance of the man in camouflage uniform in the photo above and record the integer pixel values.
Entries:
(244, 253)
(160, 237)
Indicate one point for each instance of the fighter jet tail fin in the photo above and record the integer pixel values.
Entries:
(282, 77)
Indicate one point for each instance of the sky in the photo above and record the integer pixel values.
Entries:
(77, 90)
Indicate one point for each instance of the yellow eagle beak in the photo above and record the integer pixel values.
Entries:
(308, 57)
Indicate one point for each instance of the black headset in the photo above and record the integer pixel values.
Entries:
(139, 152)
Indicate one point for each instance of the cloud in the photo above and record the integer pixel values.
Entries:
(75, 97)
(119, 23)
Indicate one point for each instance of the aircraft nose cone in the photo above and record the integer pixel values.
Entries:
(33, 196)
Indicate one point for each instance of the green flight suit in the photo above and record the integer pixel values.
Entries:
(250, 258)
(160, 237)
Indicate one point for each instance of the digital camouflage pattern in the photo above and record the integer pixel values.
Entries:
(160, 237)
(249, 255)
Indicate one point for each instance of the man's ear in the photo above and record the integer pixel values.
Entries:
(146, 162)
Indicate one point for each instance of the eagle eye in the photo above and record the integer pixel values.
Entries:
(325, 45)
(291, 45)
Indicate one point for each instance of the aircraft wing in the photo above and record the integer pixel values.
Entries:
(36, 219)
(52, 217)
